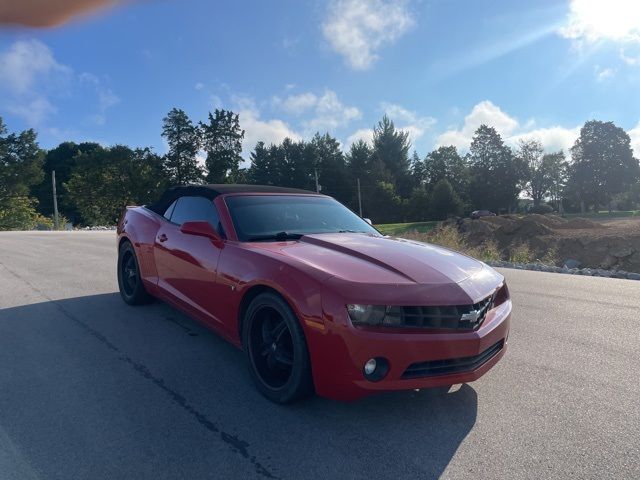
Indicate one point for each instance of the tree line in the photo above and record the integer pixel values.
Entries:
(94, 182)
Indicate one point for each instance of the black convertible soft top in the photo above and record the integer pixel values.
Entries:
(212, 191)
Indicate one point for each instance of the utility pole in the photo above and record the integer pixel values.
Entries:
(55, 201)
(359, 198)
(317, 184)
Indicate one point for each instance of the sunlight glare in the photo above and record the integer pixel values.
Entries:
(595, 20)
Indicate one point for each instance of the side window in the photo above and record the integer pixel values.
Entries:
(193, 209)
(169, 211)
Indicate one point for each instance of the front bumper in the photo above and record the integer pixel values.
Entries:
(339, 350)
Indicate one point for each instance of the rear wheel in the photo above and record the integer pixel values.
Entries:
(129, 281)
(277, 350)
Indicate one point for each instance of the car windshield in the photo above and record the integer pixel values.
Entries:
(283, 217)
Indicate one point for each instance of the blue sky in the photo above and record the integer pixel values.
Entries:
(439, 68)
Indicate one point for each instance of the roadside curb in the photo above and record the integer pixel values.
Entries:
(591, 272)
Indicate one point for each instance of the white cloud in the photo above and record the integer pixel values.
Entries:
(486, 113)
(28, 72)
(199, 86)
(296, 104)
(630, 56)
(30, 77)
(365, 134)
(26, 63)
(34, 111)
(325, 113)
(106, 97)
(552, 138)
(330, 114)
(407, 120)
(256, 129)
(604, 74)
(634, 133)
(483, 113)
(357, 29)
(595, 20)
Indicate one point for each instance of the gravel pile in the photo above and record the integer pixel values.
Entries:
(592, 272)
(113, 227)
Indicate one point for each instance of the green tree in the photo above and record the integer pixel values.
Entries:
(183, 138)
(331, 166)
(444, 201)
(419, 205)
(18, 213)
(495, 175)
(445, 163)
(261, 171)
(391, 147)
(106, 180)
(602, 164)
(360, 161)
(62, 159)
(222, 142)
(383, 204)
(20, 168)
(20, 162)
(543, 173)
(418, 173)
(296, 164)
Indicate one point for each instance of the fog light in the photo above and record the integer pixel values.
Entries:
(375, 369)
(370, 366)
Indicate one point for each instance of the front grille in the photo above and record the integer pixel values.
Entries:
(434, 368)
(443, 317)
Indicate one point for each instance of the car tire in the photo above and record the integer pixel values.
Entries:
(276, 350)
(130, 284)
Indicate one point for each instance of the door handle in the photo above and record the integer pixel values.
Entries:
(162, 237)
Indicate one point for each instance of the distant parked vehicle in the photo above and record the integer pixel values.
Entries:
(476, 214)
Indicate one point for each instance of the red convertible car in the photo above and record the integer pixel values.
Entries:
(317, 298)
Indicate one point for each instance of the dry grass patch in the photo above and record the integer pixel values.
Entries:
(449, 237)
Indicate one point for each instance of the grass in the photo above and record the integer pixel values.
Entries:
(400, 228)
(448, 236)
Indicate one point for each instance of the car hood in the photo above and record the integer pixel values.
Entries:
(381, 260)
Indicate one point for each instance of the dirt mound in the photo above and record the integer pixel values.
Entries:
(551, 221)
(592, 244)
(580, 223)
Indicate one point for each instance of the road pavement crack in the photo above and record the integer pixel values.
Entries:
(236, 444)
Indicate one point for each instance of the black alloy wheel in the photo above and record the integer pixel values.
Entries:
(129, 282)
(276, 349)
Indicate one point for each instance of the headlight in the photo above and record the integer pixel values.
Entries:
(375, 315)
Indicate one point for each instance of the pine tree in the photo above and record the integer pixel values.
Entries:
(222, 142)
(391, 147)
(183, 138)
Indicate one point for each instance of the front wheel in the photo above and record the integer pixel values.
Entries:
(277, 350)
(129, 281)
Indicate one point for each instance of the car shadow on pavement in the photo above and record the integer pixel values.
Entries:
(78, 352)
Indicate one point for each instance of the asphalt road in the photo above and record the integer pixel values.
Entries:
(91, 388)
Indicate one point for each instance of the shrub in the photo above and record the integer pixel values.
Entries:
(18, 213)
(48, 223)
(488, 252)
(449, 237)
(550, 257)
(520, 253)
(541, 209)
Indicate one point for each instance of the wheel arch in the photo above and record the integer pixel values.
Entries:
(122, 240)
(248, 296)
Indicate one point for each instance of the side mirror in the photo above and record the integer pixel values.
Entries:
(201, 229)
(368, 220)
